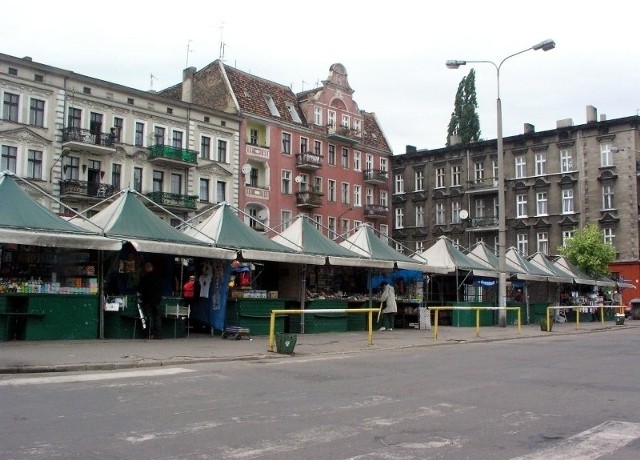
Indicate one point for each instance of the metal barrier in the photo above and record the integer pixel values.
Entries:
(577, 310)
(272, 319)
(477, 309)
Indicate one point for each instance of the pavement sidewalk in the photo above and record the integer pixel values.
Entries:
(86, 355)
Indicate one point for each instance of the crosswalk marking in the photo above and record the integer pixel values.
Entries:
(601, 440)
(94, 377)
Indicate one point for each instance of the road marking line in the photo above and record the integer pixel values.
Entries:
(601, 440)
(94, 377)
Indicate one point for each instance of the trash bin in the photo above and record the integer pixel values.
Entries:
(285, 343)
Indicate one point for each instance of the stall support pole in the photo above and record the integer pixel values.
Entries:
(100, 295)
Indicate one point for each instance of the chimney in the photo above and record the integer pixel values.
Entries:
(565, 123)
(529, 128)
(454, 140)
(592, 114)
(603, 117)
(410, 149)
(187, 84)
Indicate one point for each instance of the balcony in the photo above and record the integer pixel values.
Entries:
(76, 139)
(343, 134)
(84, 189)
(375, 211)
(252, 191)
(489, 184)
(257, 152)
(308, 161)
(309, 199)
(484, 223)
(172, 156)
(173, 200)
(375, 176)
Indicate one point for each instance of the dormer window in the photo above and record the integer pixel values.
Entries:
(293, 112)
(272, 105)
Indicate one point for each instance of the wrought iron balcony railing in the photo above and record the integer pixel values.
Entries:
(343, 134)
(481, 222)
(173, 200)
(375, 211)
(308, 160)
(172, 154)
(85, 136)
(375, 176)
(309, 199)
(84, 188)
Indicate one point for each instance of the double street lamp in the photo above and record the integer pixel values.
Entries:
(545, 45)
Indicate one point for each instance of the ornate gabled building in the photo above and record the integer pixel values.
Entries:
(82, 140)
(555, 182)
(313, 153)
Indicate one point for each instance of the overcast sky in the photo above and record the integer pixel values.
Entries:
(394, 52)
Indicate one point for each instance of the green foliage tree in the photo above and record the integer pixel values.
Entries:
(464, 118)
(587, 250)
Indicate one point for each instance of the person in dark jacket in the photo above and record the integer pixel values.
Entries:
(150, 291)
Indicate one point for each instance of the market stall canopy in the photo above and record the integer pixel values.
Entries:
(366, 243)
(579, 277)
(542, 261)
(224, 229)
(486, 256)
(25, 221)
(445, 256)
(302, 236)
(531, 272)
(128, 219)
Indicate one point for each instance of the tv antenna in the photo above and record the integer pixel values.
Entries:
(189, 50)
(151, 78)
(222, 43)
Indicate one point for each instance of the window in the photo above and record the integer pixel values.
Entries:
(494, 167)
(272, 106)
(253, 136)
(36, 113)
(606, 158)
(541, 204)
(384, 198)
(221, 191)
(480, 208)
(253, 177)
(158, 179)
(419, 216)
(399, 218)
(286, 182)
(566, 236)
(71, 168)
(455, 176)
(608, 235)
(439, 177)
(543, 242)
(176, 184)
(607, 197)
(522, 244)
(118, 125)
(74, 118)
(95, 124)
(331, 118)
(317, 184)
(357, 126)
(293, 112)
(369, 196)
(496, 208)
(285, 219)
(478, 172)
(204, 190)
(10, 109)
(566, 163)
(205, 147)
(521, 167)
(399, 183)
(137, 179)
(304, 145)
(419, 180)
(317, 148)
(176, 142)
(286, 143)
(357, 195)
(357, 161)
(346, 121)
(345, 158)
(9, 158)
(13, 71)
(455, 212)
(332, 155)
(541, 164)
(139, 139)
(368, 162)
(331, 225)
(384, 165)
(158, 135)
(344, 226)
(332, 190)
(384, 233)
(420, 246)
(222, 151)
(567, 201)
(317, 116)
(521, 205)
(317, 219)
(116, 175)
(440, 214)
(34, 164)
(345, 193)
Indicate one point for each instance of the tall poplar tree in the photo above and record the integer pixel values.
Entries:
(464, 121)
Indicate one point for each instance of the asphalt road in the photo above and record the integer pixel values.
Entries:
(554, 397)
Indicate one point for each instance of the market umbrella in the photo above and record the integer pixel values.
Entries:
(485, 255)
(446, 258)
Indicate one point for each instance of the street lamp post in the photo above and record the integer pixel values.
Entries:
(545, 45)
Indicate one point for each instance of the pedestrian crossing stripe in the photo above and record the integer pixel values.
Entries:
(596, 442)
(95, 376)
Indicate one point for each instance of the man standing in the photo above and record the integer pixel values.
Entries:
(150, 290)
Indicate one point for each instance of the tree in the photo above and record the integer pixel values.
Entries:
(464, 119)
(589, 252)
